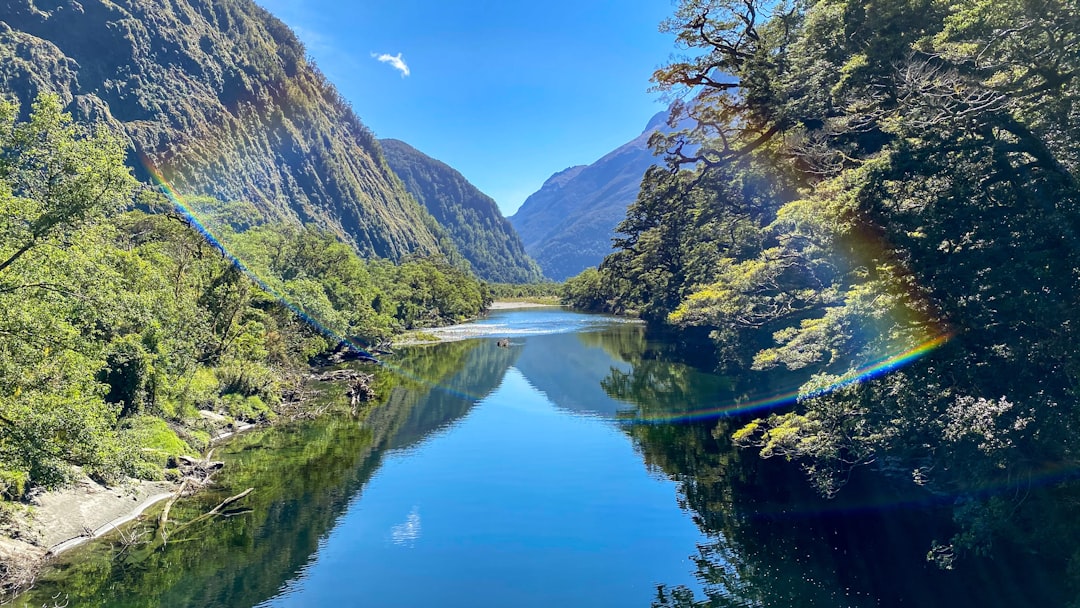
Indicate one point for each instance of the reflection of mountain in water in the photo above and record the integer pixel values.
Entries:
(569, 369)
(478, 368)
(305, 477)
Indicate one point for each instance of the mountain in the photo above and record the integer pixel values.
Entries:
(218, 97)
(471, 218)
(568, 224)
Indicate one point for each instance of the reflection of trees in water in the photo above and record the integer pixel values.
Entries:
(661, 389)
(453, 377)
(603, 372)
(623, 342)
(774, 541)
(304, 477)
(568, 370)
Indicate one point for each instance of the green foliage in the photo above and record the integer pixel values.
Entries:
(425, 292)
(112, 324)
(367, 300)
(860, 180)
(248, 409)
(157, 443)
(13, 484)
(126, 371)
(56, 180)
(525, 291)
(587, 291)
(221, 101)
(56, 176)
(479, 231)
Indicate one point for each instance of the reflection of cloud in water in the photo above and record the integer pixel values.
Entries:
(406, 533)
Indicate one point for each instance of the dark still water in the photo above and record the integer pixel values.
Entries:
(519, 476)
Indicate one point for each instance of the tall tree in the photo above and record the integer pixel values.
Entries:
(922, 187)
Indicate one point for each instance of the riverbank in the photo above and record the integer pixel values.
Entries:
(326, 476)
(463, 331)
(511, 305)
(53, 522)
(49, 523)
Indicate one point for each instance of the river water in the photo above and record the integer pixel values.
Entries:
(528, 476)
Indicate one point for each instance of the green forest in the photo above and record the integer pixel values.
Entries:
(875, 200)
(123, 320)
(876, 180)
(478, 230)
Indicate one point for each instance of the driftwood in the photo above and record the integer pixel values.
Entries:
(360, 390)
(215, 511)
(198, 471)
(164, 517)
(228, 501)
(383, 348)
(337, 375)
(359, 383)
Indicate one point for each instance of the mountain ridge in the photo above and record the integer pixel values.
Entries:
(220, 99)
(568, 224)
(472, 219)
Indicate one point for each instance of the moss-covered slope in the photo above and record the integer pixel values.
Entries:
(219, 97)
(471, 217)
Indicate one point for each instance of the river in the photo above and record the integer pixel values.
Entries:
(538, 474)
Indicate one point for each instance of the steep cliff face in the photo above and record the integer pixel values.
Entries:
(471, 217)
(568, 224)
(218, 97)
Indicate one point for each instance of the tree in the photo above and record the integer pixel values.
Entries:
(55, 177)
(57, 180)
(923, 185)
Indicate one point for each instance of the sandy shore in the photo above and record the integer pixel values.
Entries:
(512, 305)
(62, 519)
(73, 515)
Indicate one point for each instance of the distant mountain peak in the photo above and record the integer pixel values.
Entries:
(656, 123)
(567, 174)
(568, 224)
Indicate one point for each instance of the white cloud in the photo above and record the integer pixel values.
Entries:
(395, 62)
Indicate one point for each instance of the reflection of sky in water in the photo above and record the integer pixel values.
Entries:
(524, 505)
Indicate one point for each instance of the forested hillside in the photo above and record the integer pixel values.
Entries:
(124, 335)
(219, 98)
(568, 224)
(879, 184)
(477, 228)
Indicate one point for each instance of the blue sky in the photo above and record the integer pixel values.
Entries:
(505, 92)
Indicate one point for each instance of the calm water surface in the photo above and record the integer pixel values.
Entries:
(518, 477)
